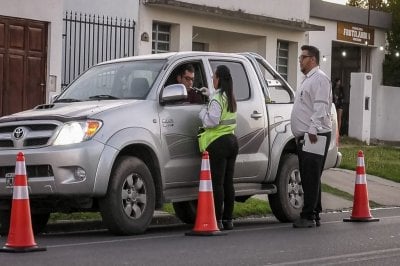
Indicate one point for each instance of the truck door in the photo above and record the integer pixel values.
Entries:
(278, 98)
(251, 163)
(179, 123)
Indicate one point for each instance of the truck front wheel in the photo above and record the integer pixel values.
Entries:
(129, 204)
(39, 222)
(186, 211)
(287, 203)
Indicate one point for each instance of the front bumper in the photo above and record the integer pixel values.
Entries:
(60, 164)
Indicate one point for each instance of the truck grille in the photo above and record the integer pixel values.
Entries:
(26, 135)
(32, 171)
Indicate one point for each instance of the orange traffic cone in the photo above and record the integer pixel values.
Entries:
(20, 235)
(361, 211)
(206, 222)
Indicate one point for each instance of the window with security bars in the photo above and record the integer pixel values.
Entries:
(282, 58)
(161, 38)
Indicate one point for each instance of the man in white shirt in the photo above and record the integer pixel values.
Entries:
(311, 114)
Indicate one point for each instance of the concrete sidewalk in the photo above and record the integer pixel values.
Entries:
(380, 190)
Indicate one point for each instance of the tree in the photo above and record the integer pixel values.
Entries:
(393, 35)
(380, 5)
(391, 65)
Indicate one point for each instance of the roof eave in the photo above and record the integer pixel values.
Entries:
(237, 14)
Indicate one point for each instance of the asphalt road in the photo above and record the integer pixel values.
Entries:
(261, 241)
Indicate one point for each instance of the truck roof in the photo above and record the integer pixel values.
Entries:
(171, 55)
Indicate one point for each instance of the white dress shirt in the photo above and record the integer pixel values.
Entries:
(312, 105)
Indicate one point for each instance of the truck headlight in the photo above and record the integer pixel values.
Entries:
(75, 132)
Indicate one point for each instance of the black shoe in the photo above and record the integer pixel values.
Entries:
(317, 223)
(220, 225)
(317, 220)
(303, 223)
(228, 224)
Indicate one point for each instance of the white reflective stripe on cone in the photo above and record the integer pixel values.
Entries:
(205, 165)
(20, 192)
(361, 179)
(205, 186)
(20, 168)
(360, 161)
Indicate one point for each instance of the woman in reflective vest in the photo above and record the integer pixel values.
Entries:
(219, 122)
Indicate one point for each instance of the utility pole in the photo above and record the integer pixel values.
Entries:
(367, 42)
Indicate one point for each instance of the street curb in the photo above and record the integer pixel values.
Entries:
(160, 218)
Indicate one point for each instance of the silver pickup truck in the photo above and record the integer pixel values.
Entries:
(122, 140)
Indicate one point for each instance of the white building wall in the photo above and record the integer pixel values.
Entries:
(299, 10)
(224, 35)
(114, 8)
(377, 57)
(323, 41)
(387, 126)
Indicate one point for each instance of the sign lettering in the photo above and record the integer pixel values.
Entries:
(355, 33)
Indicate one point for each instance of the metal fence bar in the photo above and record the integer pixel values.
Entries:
(91, 39)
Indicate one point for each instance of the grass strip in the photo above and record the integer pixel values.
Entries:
(251, 207)
(342, 194)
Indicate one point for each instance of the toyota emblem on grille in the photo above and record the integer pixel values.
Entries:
(18, 133)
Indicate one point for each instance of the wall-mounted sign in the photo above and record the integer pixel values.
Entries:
(355, 33)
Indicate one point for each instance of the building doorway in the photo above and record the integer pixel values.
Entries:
(23, 57)
(346, 58)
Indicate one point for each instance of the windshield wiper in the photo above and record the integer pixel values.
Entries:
(66, 100)
(103, 97)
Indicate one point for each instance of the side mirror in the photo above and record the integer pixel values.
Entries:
(174, 92)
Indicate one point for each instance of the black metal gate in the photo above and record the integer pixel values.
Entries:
(91, 39)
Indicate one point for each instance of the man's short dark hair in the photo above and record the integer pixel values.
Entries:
(185, 67)
(312, 50)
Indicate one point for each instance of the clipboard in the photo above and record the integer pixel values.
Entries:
(316, 148)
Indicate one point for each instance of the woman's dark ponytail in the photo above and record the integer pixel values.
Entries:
(225, 83)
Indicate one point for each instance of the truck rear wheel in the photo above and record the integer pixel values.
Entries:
(186, 211)
(287, 203)
(4, 222)
(129, 204)
(39, 222)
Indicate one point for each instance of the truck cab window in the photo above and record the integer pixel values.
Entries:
(277, 90)
(190, 74)
(241, 85)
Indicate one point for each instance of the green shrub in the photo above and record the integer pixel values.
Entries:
(391, 71)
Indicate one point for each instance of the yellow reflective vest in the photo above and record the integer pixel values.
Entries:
(227, 123)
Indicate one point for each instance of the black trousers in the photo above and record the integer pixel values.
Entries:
(222, 153)
(311, 167)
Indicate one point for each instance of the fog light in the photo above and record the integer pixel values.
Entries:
(80, 174)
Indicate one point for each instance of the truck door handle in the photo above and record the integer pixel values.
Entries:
(256, 115)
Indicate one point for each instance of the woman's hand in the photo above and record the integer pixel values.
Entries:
(205, 91)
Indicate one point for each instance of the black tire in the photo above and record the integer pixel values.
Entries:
(129, 204)
(4, 222)
(287, 203)
(186, 211)
(39, 222)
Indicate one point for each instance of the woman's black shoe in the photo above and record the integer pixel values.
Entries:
(220, 225)
(317, 220)
(303, 223)
(228, 224)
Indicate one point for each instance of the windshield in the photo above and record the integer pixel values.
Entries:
(125, 80)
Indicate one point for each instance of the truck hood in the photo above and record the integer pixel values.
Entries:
(66, 111)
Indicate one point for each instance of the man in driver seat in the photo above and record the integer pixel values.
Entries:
(185, 76)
